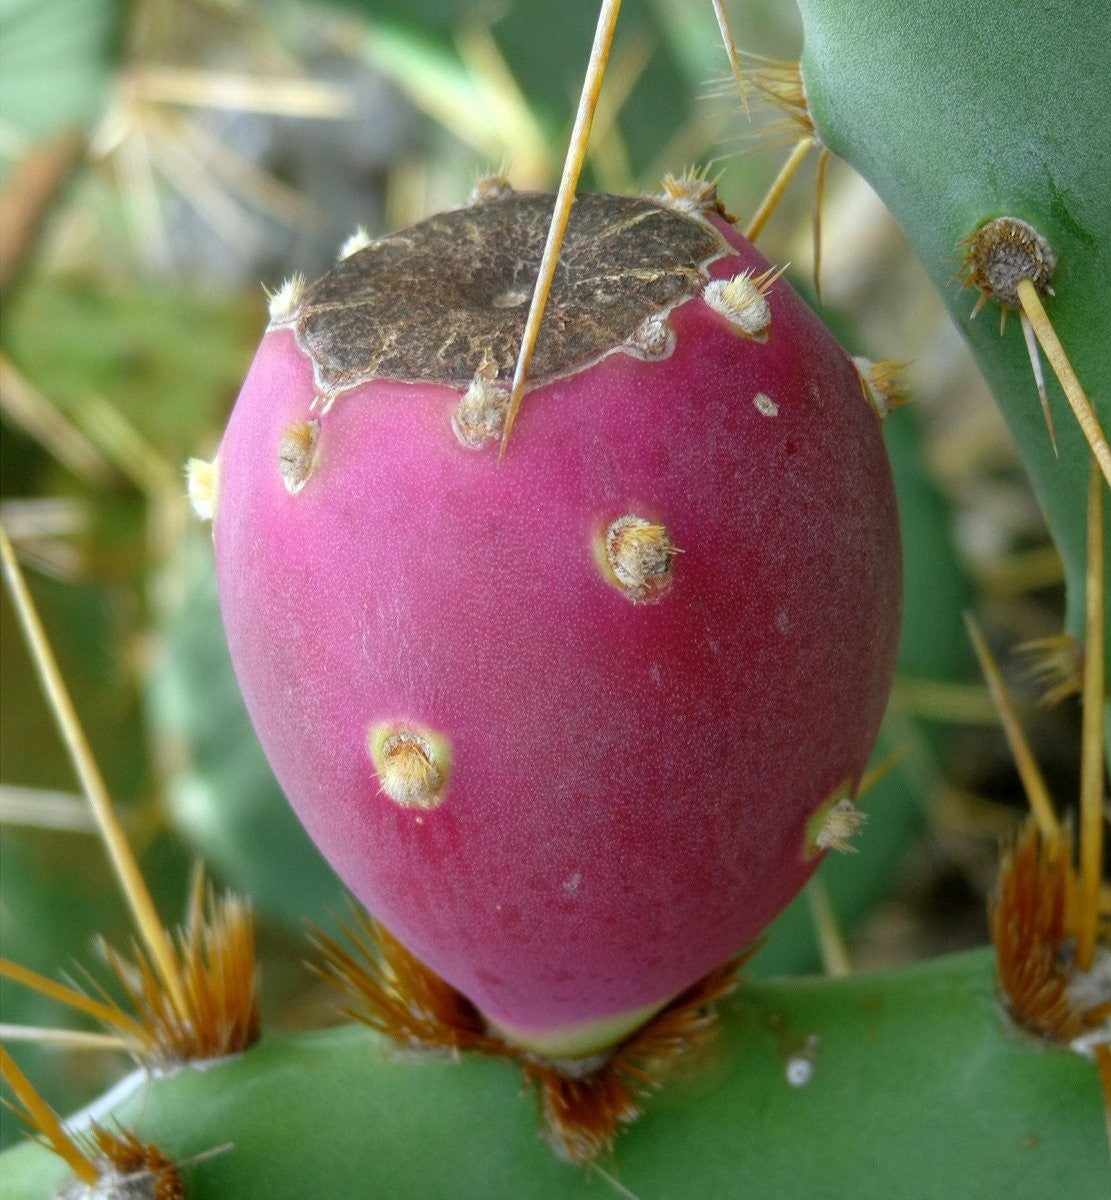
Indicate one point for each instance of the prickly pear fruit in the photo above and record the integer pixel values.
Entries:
(573, 722)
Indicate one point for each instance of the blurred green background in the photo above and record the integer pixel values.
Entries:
(162, 160)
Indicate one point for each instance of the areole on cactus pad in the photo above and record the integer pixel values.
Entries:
(568, 721)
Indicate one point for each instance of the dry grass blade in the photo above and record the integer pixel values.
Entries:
(779, 185)
(38, 808)
(256, 186)
(1037, 794)
(831, 940)
(28, 409)
(939, 700)
(35, 517)
(1021, 571)
(290, 96)
(504, 105)
(111, 830)
(816, 222)
(1091, 733)
(609, 155)
(42, 1118)
(214, 961)
(27, 195)
(876, 774)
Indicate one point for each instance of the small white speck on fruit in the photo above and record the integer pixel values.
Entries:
(202, 483)
(286, 301)
(572, 882)
(297, 454)
(842, 822)
(322, 402)
(494, 186)
(479, 417)
(765, 404)
(413, 766)
(359, 240)
(653, 338)
(637, 556)
(742, 302)
(799, 1067)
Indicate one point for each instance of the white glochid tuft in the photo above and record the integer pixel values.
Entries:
(359, 240)
(741, 301)
(285, 303)
(202, 483)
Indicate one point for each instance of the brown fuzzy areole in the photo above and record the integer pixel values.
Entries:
(129, 1170)
(584, 1114)
(216, 959)
(694, 192)
(1034, 945)
(584, 1103)
(214, 963)
(1002, 252)
(297, 454)
(105, 1165)
(1054, 666)
(881, 384)
(777, 86)
(391, 990)
(640, 555)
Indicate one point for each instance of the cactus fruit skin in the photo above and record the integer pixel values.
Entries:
(621, 790)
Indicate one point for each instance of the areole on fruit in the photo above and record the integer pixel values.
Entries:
(569, 805)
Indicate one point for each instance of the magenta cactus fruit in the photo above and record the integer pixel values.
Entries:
(566, 720)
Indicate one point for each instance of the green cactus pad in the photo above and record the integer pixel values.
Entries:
(906, 1083)
(958, 113)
